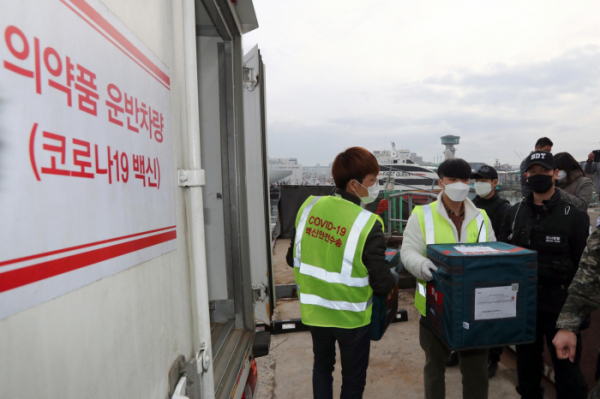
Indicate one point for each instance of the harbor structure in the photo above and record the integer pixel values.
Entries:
(450, 141)
(289, 164)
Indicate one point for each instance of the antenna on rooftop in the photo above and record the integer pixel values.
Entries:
(394, 154)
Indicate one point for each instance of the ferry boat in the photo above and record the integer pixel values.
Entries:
(398, 172)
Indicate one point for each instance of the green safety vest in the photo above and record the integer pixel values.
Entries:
(437, 230)
(333, 282)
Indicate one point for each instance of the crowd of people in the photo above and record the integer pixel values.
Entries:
(336, 282)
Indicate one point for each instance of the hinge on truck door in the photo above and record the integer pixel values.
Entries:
(202, 359)
(250, 80)
(260, 291)
(191, 177)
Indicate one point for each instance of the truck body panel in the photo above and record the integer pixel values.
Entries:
(121, 336)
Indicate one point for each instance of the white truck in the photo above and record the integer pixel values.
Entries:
(135, 251)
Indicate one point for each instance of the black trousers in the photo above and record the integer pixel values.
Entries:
(570, 383)
(355, 345)
(495, 353)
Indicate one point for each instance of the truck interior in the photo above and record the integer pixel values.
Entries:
(234, 157)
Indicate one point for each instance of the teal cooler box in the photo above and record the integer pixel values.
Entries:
(483, 294)
(384, 308)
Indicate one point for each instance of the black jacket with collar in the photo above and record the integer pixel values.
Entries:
(558, 231)
(496, 208)
(381, 278)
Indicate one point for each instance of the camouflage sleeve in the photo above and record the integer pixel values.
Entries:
(584, 292)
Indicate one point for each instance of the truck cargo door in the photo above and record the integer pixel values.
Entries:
(257, 183)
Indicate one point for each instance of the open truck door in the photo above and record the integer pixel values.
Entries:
(257, 183)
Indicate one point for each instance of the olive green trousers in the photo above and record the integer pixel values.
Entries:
(473, 367)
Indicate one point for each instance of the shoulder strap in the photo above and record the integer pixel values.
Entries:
(482, 233)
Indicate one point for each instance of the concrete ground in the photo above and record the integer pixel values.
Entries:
(395, 369)
(283, 273)
(396, 362)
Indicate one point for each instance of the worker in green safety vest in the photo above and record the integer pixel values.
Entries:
(338, 255)
(451, 219)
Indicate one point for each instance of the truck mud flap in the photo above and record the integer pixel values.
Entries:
(262, 342)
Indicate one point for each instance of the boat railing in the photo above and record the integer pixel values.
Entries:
(409, 194)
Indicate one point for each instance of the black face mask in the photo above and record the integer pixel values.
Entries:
(540, 183)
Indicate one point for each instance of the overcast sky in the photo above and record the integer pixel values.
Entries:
(498, 74)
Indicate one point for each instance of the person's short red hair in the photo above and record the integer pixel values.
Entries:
(354, 163)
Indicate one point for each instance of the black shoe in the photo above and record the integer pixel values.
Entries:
(452, 359)
(492, 368)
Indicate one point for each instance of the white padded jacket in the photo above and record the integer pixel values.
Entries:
(414, 248)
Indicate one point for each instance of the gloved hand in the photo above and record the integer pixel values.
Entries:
(396, 275)
(426, 268)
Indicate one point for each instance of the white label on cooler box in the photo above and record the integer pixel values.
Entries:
(475, 249)
(495, 303)
(290, 326)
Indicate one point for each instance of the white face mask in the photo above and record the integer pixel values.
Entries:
(373, 193)
(457, 192)
(561, 174)
(482, 188)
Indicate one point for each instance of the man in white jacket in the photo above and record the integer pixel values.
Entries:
(451, 219)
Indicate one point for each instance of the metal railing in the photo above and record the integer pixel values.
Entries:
(430, 198)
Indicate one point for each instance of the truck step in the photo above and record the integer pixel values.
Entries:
(296, 325)
(230, 360)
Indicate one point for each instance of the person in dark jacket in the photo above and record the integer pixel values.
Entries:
(572, 184)
(593, 168)
(543, 144)
(333, 282)
(486, 180)
(558, 231)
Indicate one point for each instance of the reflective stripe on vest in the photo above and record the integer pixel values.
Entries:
(420, 293)
(430, 229)
(301, 226)
(352, 243)
(309, 299)
(421, 290)
(345, 277)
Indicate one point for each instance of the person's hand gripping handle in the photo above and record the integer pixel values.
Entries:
(426, 270)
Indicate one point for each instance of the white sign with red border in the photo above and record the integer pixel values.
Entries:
(86, 177)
